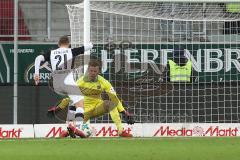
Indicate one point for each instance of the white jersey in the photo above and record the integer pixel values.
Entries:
(61, 59)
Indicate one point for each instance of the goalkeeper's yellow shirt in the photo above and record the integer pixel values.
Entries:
(93, 90)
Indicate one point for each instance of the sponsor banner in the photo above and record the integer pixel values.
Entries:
(99, 130)
(211, 61)
(16, 131)
(193, 130)
(138, 130)
(48, 130)
(26, 57)
(109, 130)
(148, 130)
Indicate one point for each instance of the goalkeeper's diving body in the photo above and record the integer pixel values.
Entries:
(92, 85)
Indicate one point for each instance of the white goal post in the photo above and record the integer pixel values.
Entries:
(136, 38)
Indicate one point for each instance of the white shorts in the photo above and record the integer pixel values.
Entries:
(64, 84)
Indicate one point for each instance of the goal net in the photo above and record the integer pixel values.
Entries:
(135, 40)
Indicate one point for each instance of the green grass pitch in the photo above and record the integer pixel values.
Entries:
(204, 148)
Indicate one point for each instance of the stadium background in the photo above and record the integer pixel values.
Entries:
(38, 35)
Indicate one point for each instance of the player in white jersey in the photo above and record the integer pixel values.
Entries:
(61, 61)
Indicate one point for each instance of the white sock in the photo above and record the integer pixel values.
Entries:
(79, 116)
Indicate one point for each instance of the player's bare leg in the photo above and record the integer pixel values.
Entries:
(75, 131)
(64, 134)
(79, 114)
(74, 128)
(71, 129)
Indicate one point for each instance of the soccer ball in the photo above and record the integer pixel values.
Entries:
(86, 130)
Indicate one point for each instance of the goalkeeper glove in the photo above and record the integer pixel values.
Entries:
(61, 105)
(52, 110)
(128, 117)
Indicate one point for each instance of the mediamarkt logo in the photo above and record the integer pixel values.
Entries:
(12, 133)
(104, 131)
(54, 132)
(109, 131)
(196, 131)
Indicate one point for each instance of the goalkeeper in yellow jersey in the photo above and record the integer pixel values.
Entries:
(92, 85)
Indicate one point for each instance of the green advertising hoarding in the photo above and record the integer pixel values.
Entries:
(26, 56)
(211, 62)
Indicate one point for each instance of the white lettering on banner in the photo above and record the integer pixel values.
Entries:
(196, 131)
(12, 133)
(214, 60)
(44, 76)
(105, 60)
(196, 63)
(209, 60)
(128, 60)
(145, 60)
(30, 50)
(229, 60)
